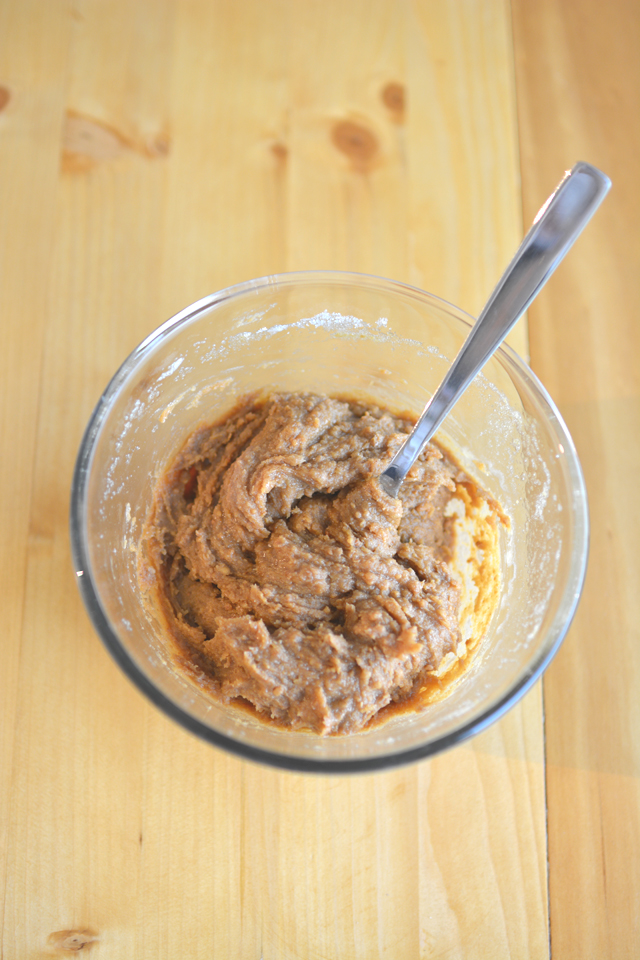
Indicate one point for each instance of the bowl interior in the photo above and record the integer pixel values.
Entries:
(342, 335)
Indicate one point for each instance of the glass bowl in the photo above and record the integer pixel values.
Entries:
(348, 334)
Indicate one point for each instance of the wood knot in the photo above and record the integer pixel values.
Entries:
(158, 146)
(394, 98)
(70, 941)
(5, 96)
(86, 142)
(279, 151)
(356, 141)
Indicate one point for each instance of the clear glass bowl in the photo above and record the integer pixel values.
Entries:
(336, 333)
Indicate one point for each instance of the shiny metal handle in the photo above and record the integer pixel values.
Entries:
(556, 226)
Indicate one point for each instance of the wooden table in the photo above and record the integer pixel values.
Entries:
(153, 151)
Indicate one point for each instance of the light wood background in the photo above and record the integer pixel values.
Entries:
(153, 151)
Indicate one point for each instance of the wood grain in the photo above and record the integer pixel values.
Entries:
(32, 71)
(151, 152)
(579, 98)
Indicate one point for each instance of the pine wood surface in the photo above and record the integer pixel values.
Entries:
(154, 151)
(579, 95)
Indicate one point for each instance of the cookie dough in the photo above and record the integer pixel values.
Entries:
(288, 580)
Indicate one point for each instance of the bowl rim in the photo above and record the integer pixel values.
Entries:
(100, 621)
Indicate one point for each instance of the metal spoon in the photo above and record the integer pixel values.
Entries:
(557, 225)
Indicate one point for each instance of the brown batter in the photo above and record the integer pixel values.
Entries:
(291, 581)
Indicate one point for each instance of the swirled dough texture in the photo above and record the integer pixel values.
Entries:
(289, 579)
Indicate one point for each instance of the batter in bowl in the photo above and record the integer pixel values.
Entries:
(288, 580)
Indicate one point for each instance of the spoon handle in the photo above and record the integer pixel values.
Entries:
(557, 225)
